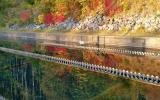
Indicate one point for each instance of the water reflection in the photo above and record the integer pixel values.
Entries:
(18, 79)
(30, 79)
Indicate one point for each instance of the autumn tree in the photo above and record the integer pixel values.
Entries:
(112, 7)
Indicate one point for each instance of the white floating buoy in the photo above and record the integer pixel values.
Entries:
(152, 78)
(81, 42)
(157, 79)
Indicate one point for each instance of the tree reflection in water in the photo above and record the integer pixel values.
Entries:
(30, 79)
(19, 79)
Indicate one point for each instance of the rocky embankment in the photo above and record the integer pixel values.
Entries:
(99, 22)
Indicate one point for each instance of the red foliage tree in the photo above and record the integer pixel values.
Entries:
(24, 16)
(59, 18)
(48, 18)
(108, 5)
(57, 50)
(53, 49)
(60, 49)
(93, 4)
(69, 68)
(27, 47)
(49, 48)
(111, 7)
(97, 60)
(110, 61)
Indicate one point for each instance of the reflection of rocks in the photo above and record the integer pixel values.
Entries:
(19, 78)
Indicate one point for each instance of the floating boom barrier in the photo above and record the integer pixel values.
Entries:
(149, 79)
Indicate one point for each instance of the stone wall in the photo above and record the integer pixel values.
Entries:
(122, 41)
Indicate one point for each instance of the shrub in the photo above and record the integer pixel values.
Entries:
(112, 7)
(125, 6)
(48, 18)
(25, 16)
(59, 18)
(41, 18)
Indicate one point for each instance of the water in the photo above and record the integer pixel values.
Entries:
(30, 79)
(23, 78)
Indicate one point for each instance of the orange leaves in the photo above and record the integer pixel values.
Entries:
(69, 68)
(110, 60)
(93, 58)
(75, 54)
(27, 47)
(61, 49)
(118, 9)
(93, 4)
(59, 18)
(111, 7)
(57, 51)
(87, 55)
(115, 11)
(108, 4)
(97, 60)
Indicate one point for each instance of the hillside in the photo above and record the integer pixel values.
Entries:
(109, 16)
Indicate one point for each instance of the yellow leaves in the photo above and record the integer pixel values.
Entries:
(126, 6)
(82, 1)
(29, 5)
(125, 30)
(46, 1)
(41, 18)
(85, 11)
(140, 29)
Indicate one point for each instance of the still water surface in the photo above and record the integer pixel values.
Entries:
(23, 78)
(29, 79)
